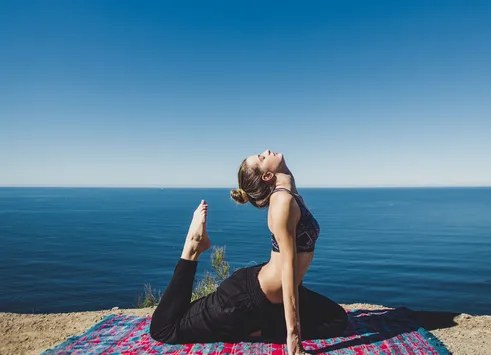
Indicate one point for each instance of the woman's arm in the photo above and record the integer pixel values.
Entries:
(285, 216)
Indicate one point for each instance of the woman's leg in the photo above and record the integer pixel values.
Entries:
(320, 317)
(176, 300)
(220, 316)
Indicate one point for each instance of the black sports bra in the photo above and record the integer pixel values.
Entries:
(307, 228)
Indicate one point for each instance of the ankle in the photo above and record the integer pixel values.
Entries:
(190, 255)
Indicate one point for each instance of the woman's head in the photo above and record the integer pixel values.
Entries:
(257, 178)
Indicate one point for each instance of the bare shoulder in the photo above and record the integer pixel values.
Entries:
(283, 204)
(282, 197)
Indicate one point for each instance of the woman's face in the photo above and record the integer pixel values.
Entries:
(267, 161)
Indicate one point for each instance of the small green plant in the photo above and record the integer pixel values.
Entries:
(219, 263)
(150, 297)
(203, 287)
(210, 282)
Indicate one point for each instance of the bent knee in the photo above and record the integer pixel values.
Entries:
(163, 334)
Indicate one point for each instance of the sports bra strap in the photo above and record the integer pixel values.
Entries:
(295, 196)
(282, 189)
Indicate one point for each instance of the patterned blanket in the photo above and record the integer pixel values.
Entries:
(368, 332)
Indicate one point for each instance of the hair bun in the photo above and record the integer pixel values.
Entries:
(239, 196)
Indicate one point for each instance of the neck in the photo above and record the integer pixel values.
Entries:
(285, 181)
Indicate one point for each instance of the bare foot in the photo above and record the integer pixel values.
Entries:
(197, 240)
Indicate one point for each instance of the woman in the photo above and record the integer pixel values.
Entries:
(266, 302)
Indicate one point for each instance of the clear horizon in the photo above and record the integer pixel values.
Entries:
(233, 187)
(355, 94)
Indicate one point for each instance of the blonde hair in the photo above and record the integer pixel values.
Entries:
(252, 188)
(239, 196)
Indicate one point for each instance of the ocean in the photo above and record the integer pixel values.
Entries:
(79, 249)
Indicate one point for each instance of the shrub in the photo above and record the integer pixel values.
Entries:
(203, 287)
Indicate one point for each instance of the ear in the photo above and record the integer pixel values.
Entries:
(268, 177)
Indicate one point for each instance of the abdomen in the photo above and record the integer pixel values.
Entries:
(271, 273)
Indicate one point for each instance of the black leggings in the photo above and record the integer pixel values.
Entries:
(236, 309)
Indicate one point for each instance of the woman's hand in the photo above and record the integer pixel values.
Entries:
(295, 346)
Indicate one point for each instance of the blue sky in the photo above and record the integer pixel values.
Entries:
(177, 93)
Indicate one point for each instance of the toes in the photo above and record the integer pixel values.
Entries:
(202, 209)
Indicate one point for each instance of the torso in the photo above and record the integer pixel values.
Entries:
(270, 274)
